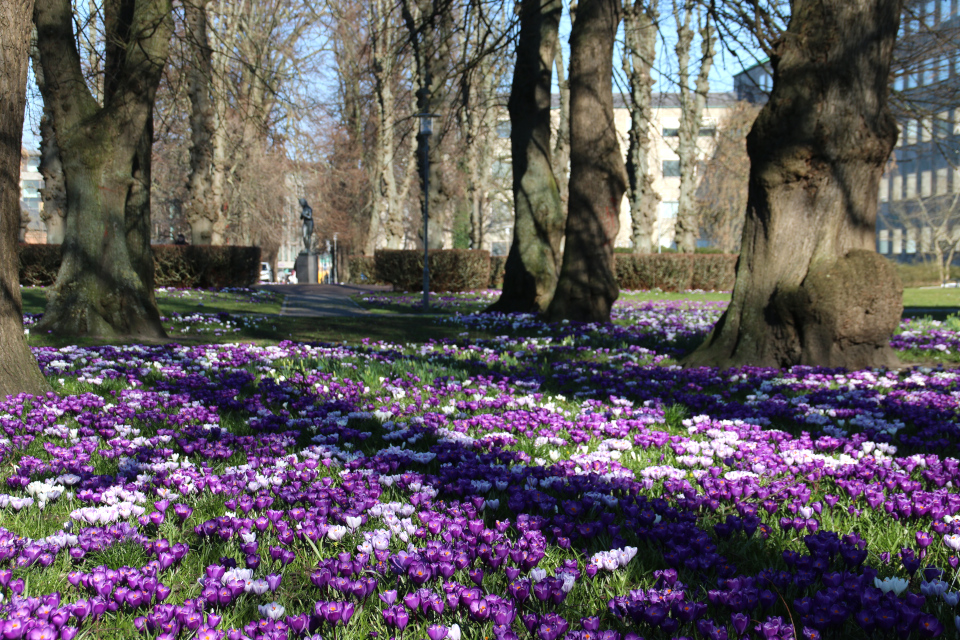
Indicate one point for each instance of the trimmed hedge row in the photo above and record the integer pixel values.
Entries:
(498, 265)
(192, 266)
(450, 270)
(676, 271)
(461, 270)
(363, 270)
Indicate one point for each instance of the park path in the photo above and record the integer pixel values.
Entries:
(321, 300)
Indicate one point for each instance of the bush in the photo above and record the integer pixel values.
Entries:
(714, 271)
(363, 270)
(174, 265)
(675, 271)
(450, 270)
(497, 266)
(923, 274)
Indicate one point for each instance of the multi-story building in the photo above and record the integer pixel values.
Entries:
(664, 162)
(30, 203)
(920, 189)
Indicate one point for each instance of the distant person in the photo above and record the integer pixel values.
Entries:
(180, 239)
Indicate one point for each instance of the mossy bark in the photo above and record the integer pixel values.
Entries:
(18, 368)
(810, 287)
(105, 283)
(587, 286)
(530, 273)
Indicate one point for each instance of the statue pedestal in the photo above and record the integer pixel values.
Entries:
(306, 268)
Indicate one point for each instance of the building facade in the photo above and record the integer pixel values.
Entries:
(31, 205)
(919, 193)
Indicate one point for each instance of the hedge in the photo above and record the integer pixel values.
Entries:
(676, 271)
(498, 265)
(450, 270)
(363, 270)
(195, 266)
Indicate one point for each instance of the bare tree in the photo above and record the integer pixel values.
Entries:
(587, 286)
(722, 192)
(937, 222)
(692, 103)
(810, 287)
(640, 37)
(105, 283)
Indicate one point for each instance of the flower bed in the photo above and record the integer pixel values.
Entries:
(554, 482)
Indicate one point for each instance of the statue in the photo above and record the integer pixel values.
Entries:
(306, 214)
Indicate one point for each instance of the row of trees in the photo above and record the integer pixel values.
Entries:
(817, 151)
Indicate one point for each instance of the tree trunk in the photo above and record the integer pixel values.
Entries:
(105, 283)
(587, 287)
(561, 148)
(640, 35)
(18, 368)
(531, 270)
(54, 192)
(810, 288)
(691, 110)
(204, 202)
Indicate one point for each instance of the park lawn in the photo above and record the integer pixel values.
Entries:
(558, 479)
(186, 301)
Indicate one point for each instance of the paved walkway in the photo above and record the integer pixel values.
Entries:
(321, 300)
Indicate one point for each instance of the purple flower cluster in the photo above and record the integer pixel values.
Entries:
(563, 486)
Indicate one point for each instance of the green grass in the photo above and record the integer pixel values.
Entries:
(935, 297)
(182, 301)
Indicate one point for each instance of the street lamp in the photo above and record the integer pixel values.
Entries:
(426, 128)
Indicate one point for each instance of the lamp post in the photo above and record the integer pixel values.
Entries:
(426, 128)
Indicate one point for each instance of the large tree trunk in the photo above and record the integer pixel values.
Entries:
(810, 288)
(105, 283)
(692, 104)
(532, 266)
(640, 35)
(587, 287)
(18, 368)
(54, 191)
(204, 202)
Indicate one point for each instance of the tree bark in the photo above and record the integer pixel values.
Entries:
(205, 195)
(587, 287)
(531, 270)
(810, 288)
(692, 104)
(105, 283)
(640, 35)
(54, 192)
(18, 368)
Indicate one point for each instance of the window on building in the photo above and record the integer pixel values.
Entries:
(943, 68)
(671, 132)
(930, 13)
(671, 168)
(897, 241)
(884, 242)
(911, 189)
(946, 10)
(503, 129)
(926, 239)
(897, 188)
(668, 210)
(708, 132)
(884, 189)
(911, 241)
(943, 176)
(926, 184)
